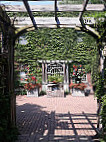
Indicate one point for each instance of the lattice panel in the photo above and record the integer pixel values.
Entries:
(55, 69)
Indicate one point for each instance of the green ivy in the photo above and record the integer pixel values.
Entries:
(99, 87)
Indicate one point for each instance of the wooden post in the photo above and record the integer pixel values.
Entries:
(99, 104)
(67, 75)
(46, 73)
(11, 43)
(43, 72)
(64, 70)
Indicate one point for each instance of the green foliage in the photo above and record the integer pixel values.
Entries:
(100, 22)
(105, 73)
(66, 92)
(51, 44)
(103, 113)
(20, 91)
(71, 2)
(8, 133)
(43, 14)
(56, 79)
(80, 2)
(95, 1)
(99, 87)
(42, 93)
(95, 67)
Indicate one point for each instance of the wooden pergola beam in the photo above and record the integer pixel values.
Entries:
(83, 10)
(30, 13)
(50, 22)
(55, 7)
(51, 8)
(4, 17)
(27, 0)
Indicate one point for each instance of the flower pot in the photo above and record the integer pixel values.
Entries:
(33, 92)
(78, 92)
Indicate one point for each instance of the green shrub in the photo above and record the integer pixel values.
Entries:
(99, 87)
(56, 78)
(42, 93)
(66, 92)
(103, 113)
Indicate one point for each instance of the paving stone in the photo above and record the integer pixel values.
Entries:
(70, 119)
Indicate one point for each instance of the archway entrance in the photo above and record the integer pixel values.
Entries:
(52, 120)
(8, 48)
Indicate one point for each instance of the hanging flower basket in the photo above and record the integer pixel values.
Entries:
(78, 87)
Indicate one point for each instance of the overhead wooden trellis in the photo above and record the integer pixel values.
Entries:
(24, 24)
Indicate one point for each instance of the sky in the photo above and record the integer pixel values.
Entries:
(32, 3)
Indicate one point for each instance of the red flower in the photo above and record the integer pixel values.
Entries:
(79, 86)
(75, 69)
(80, 66)
(31, 73)
(21, 79)
(73, 66)
(26, 79)
(71, 85)
(73, 73)
(33, 78)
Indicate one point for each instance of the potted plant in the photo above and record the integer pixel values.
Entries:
(78, 87)
(55, 79)
(32, 86)
(78, 73)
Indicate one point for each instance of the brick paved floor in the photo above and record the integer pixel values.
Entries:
(69, 119)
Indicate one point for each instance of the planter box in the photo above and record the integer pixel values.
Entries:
(33, 93)
(54, 90)
(78, 92)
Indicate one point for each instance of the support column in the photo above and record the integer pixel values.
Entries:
(46, 73)
(44, 78)
(66, 87)
(64, 70)
(66, 83)
(11, 71)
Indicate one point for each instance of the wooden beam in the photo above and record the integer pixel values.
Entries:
(56, 18)
(30, 13)
(50, 22)
(55, 7)
(89, 30)
(4, 17)
(83, 10)
(27, 0)
(51, 8)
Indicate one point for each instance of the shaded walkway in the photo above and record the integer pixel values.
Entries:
(70, 119)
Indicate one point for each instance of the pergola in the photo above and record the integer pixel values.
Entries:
(12, 27)
(55, 67)
(24, 24)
